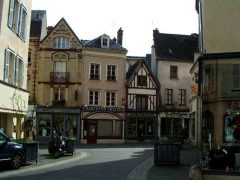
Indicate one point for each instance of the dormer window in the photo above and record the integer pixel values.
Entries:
(61, 43)
(105, 42)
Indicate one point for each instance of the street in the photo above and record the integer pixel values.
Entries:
(113, 162)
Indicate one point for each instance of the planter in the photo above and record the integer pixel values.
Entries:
(70, 146)
(166, 153)
(31, 151)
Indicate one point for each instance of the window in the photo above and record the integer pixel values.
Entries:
(110, 98)
(94, 71)
(94, 98)
(29, 57)
(111, 72)
(61, 43)
(13, 69)
(182, 97)
(105, 42)
(141, 80)
(59, 94)
(22, 23)
(236, 76)
(209, 84)
(141, 102)
(17, 18)
(168, 96)
(60, 74)
(173, 72)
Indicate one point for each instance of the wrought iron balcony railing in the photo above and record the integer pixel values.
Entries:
(59, 77)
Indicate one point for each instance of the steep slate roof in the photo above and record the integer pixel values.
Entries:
(96, 43)
(134, 68)
(175, 46)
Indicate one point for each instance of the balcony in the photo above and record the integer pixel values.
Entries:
(59, 77)
(58, 102)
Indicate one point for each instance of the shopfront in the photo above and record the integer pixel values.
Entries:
(64, 121)
(102, 124)
(141, 126)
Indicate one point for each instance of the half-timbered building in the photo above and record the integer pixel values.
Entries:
(142, 103)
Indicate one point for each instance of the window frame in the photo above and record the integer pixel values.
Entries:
(112, 72)
(111, 99)
(168, 96)
(173, 72)
(182, 97)
(61, 42)
(95, 75)
(141, 80)
(143, 105)
(95, 102)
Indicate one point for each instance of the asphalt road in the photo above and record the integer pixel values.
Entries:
(99, 162)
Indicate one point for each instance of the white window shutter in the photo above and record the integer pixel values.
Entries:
(11, 12)
(6, 65)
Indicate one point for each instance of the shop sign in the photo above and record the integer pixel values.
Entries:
(141, 114)
(101, 109)
(177, 115)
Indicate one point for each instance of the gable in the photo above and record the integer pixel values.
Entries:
(62, 29)
(142, 77)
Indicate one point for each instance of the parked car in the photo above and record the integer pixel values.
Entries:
(11, 152)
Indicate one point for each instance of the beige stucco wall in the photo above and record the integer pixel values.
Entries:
(104, 58)
(221, 25)
(183, 81)
(10, 40)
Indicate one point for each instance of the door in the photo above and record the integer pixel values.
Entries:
(92, 133)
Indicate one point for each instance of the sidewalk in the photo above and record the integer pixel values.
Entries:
(189, 155)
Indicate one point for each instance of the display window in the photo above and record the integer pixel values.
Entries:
(232, 127)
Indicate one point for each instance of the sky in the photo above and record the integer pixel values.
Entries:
(138, 18)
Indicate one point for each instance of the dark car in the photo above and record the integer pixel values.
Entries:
(11, 152)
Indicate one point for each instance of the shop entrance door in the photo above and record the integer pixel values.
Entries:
(92, 133)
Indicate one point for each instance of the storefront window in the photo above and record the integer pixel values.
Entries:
(132, 128)
(149, 127)
(71, 126)
(58, 124)
(232, 127)
(104, 128)
(118, 128)
(44, 125)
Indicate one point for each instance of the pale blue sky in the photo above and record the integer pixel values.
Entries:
(92, 18)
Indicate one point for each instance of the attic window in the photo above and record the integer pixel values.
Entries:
(105, 42)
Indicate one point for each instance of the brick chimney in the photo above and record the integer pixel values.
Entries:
(120, 36)
(49, 29)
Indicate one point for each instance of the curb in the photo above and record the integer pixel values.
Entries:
(41, 167)
(140, 172)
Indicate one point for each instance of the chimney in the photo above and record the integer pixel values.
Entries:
(120, 36)
(49, 29)
(114, 39)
